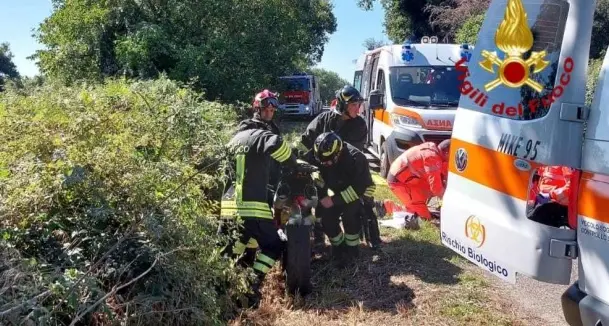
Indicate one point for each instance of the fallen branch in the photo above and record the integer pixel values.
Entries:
(31, 301)
(118, 288)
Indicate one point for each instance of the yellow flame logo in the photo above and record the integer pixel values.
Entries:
(475, 231)
(514, 38)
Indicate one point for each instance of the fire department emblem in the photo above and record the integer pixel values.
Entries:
(514, 38)
(461, 159)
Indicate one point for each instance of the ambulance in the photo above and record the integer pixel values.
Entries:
(412, 92)
(531, 62)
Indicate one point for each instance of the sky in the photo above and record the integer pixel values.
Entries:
(19, 17)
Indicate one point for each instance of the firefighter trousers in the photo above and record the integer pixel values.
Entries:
(331, 217)
(413, 196)
(252, 233)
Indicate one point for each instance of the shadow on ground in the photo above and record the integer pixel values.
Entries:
(376, 280)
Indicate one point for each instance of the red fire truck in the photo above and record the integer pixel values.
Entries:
(299, 95)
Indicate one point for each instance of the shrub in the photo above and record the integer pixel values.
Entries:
(99, 183)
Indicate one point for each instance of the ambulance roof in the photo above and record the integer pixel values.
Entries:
(423, 54)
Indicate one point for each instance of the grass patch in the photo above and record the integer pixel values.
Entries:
(412, 280)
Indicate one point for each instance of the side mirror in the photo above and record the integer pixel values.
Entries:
(376, 100)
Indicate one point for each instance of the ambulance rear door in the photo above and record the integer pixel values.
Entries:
(522, 106)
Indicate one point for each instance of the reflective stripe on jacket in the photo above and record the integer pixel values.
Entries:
(253, 150)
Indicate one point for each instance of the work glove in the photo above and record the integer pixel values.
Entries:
(318, 180)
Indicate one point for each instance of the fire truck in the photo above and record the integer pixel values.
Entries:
(299, 95)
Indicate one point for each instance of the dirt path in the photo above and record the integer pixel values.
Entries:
(536, 298)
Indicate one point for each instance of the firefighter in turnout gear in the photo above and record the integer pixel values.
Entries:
(345, 171)
(264, 106)
(253, 149)
(345, 121)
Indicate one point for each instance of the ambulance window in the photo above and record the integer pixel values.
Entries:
(484, 91)
(380, 81)
(357, 80)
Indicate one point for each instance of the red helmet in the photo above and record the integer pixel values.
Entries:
(264, 99)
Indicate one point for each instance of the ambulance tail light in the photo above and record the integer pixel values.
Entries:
(404, 121)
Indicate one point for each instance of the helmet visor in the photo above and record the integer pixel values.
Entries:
(270, 101)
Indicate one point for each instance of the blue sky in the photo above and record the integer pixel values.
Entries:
(19, 17)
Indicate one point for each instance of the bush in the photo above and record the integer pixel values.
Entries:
(111, 169)
(594, 69)
(468, 33)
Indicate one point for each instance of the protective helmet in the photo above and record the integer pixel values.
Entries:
(264, 99)
(444, 148)
(327, 147)
(346, 95)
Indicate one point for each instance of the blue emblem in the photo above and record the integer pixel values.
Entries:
(461, 159)
(407, 55)
(466, 55)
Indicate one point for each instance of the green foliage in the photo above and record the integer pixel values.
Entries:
(82, 167)
(468, 33)
(371, 43)
(594, 69)
(228, 48)
(8, 70)
(329, 83)
(600, 38)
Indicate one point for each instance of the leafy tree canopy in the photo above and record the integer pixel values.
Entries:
(7, 66)
(229, 48)
(329, 83)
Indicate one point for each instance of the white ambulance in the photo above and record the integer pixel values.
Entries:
(412, 92)
(531, 63)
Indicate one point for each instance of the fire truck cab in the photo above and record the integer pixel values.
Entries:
(412, 92)
(531, 61)
(299, 95)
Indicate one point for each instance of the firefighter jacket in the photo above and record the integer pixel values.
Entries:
(424, 162)
(275, 170)
(349, 178)
(252, 150)
(353, 131)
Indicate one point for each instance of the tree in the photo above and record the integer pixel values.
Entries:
(329, 82)
(8, 69)
(406, 19)
(452, 16)
(228, 48)
(460, 20)
(468, 33)
(371, 43)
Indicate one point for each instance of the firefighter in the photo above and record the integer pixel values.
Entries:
(417, 175)
(351, 128)
(262, 119)
(254, 147)
(344, 169)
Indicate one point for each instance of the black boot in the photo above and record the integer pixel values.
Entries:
(318, 233)
(248, 258)
(254, 297)
(351, 253)
(339, 255)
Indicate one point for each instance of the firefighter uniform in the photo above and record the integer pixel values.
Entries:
(352, 131)
(253, 150)
(417, 175)
(348, 178)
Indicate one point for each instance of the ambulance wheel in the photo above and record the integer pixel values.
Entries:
(298, 260)
(384, 168)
